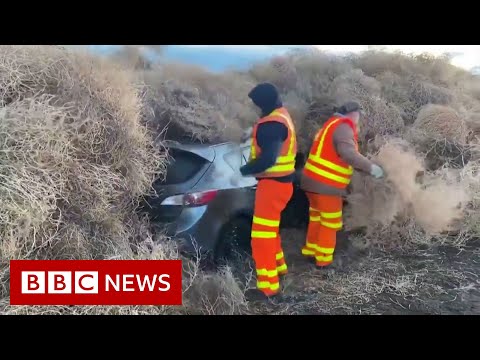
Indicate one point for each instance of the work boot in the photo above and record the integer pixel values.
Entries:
(257, 295)
(326, 267)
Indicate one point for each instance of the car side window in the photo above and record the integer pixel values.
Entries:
(235, 159)
(246, 154)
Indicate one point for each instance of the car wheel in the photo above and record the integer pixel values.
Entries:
(234, 241)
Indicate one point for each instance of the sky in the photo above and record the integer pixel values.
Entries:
(466, 56)
(221, 57)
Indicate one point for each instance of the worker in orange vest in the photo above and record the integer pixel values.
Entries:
(272, 163)
(326, 175)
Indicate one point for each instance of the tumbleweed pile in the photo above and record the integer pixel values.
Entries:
(74, 157)
(193, 105)
(441, 123)
(410, 205)
(424, 101)
(75, 160)
(77, 153)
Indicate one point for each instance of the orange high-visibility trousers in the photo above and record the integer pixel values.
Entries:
(270, 200)
(325, 220)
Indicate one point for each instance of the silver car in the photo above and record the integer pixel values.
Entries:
(206, 203)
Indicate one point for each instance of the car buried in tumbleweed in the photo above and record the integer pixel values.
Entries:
(206, 204)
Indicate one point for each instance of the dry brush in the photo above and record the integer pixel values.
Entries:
(75, 160)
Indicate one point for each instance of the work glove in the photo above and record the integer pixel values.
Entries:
(376, 171)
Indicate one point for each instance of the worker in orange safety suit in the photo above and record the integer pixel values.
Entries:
(327, 173)
(272, 163)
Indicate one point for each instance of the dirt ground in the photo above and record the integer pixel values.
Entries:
(431, 281)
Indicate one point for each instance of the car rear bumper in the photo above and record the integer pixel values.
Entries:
(196, 230)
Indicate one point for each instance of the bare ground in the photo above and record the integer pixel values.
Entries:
(432, 281)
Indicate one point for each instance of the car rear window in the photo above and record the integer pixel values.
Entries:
(183, 166)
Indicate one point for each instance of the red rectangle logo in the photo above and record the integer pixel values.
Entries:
(95, 282)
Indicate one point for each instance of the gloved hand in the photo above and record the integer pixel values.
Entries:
(376, 171)
(240, 170)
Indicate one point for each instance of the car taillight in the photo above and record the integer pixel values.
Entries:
(192, 199)
(199, 198)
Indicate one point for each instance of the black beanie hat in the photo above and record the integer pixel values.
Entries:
(349, 107)
(265, 96)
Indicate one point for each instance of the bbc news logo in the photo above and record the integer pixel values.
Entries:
(95, 282)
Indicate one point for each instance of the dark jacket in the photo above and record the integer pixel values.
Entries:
(270, 136)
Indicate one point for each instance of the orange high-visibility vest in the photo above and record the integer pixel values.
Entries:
(324, 164)
(285, 163)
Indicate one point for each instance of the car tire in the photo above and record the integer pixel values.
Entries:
(234, 241)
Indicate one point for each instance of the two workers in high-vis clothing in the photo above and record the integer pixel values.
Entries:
(272, 162)
(326, 175)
